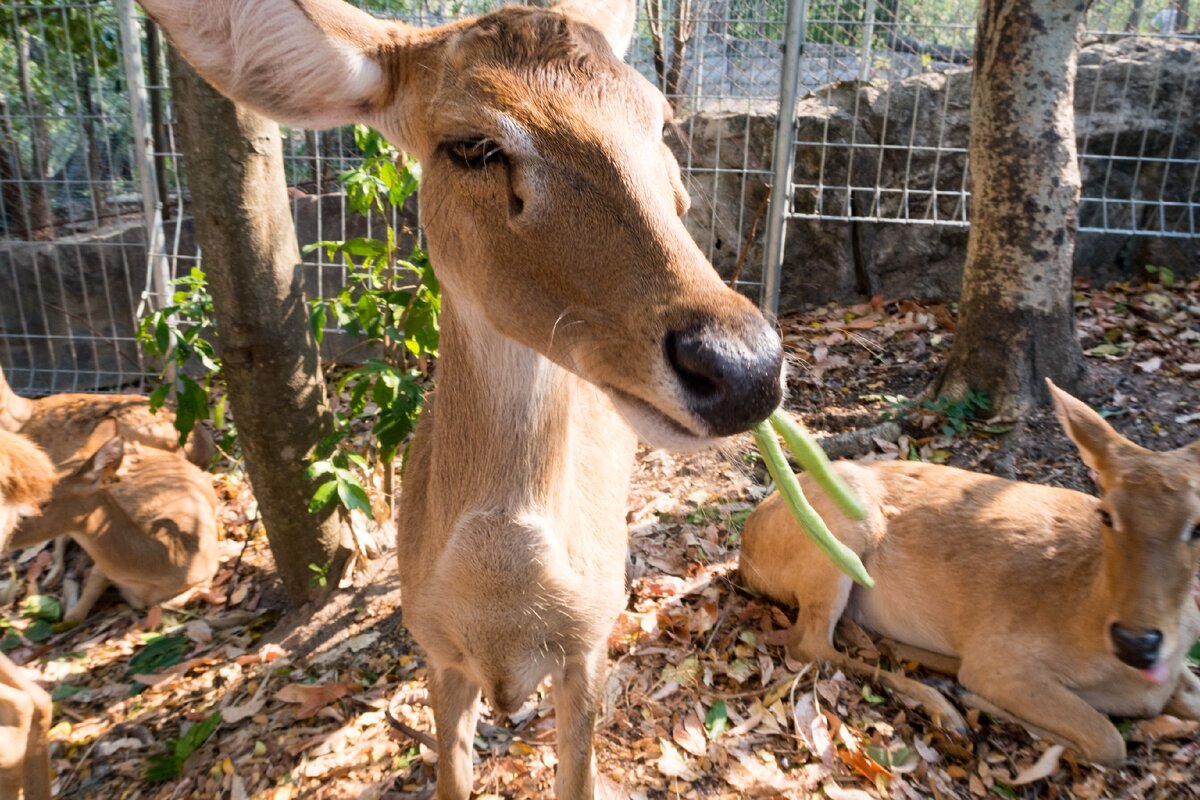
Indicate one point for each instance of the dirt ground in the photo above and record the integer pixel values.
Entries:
(232, 698)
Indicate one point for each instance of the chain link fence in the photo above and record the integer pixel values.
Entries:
(881, 138)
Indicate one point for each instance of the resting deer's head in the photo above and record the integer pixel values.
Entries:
(550, 201)
(1149, 517)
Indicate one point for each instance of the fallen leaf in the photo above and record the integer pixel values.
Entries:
(311, 697)
(1044, 767)
(1166, 727)
(671, 763)
(1150, 364)
(689, 735)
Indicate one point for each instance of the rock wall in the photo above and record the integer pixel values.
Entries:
(1138, 135)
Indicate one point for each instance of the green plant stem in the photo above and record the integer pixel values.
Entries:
(814, 461)
(805, 515)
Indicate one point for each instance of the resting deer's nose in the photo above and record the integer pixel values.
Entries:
(729, 381)
(1137, 649)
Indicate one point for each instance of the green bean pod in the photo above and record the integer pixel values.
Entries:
(809, 520)
(814, 461)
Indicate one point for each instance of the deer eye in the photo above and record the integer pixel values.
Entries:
(1195, 533)
(1105, 518)
(473, 153)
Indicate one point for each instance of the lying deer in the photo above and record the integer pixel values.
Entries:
(61, 423)
(1050, 605)
(577, 311)
(26, 478)
(146, 517)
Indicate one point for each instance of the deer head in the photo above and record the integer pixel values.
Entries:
(1149, 519)
(550, 201)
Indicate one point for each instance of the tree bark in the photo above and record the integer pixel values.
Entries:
(1017, 322)
(41, 219)
(243, 223)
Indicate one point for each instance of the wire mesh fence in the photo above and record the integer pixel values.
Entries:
(881, 137)
(883, 118)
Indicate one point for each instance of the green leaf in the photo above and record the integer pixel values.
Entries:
(65, 690)
(162, 336)
(11, 641)
(323, 496)
(39, 631)
(169, 766)
(159, 653)
(871, 697)
(354, 496)
(42, 606)
(1001, 788)
(717, 719)
(1194, 653)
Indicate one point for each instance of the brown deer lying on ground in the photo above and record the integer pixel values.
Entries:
(26, 477)
(61, 423)
(146, 517)
(1050, 605)
(576, 306)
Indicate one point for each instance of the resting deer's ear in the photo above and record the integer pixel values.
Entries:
(102, 464)
(309, 63)
(1094, 437)
(613, 18)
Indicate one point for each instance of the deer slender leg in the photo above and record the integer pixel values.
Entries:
(456, 711)
(96, 583)
(576, 698)
(25, 711)
(1035, 700)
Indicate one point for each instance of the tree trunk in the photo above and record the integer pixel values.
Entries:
(1134, 22)
(234, 164)
(1017, 322)
(41, 220)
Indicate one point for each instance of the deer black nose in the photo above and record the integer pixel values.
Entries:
(730, 381)
(1137, 649)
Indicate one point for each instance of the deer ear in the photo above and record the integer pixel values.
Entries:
(613, 18)
(308, 63)
(103, 463)
(1093, 436)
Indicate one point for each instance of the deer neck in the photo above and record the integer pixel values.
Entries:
(14, 409)
(514, 431)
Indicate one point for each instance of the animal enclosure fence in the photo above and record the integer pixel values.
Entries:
(92, 223)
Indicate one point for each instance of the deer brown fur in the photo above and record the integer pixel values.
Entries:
(26, 479)
(1050, 605)
(578, 315)
(61, 423)
(146, 517)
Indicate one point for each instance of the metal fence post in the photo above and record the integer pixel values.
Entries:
(158, 281)
(783, 157)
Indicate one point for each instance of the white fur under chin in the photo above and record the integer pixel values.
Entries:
(653, 429)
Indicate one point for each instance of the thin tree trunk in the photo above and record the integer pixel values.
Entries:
(41, 221)
(234, 160)
(91, 147)
(158, 130)
(1134, 22)
(16, 206)
(1017, 323)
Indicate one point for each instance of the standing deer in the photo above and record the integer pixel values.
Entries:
(146, 517)
(26, 478)
(61, 423)
(578, 314)
(1050, 605)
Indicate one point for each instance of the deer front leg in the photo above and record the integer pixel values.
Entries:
(576, 696)
(1031, 697)
(25, 711)
(1185, 702)
(96, 583)
(455, 699)
(16, 718)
